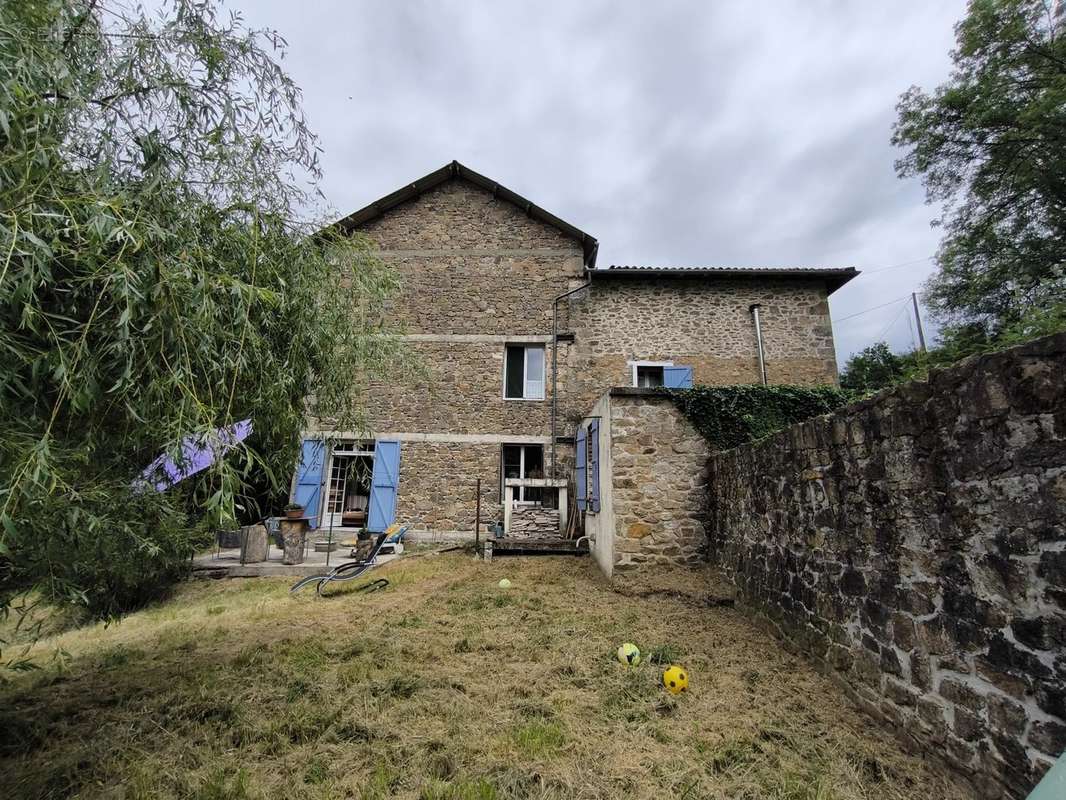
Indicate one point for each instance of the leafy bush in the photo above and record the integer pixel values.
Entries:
(872, 369)
(100, 554)
(729, 416)
(877, 367)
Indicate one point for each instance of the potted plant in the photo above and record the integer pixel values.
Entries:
(294, 511)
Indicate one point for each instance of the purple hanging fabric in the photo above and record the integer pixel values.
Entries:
(198, 453)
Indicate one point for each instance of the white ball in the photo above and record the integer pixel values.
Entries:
(504, 583)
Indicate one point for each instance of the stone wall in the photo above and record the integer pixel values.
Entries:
(438, 485)
(698, 322)
(653, 479)
(462, 392)
(915, 545)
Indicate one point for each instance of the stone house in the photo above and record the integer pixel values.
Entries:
(521, 334)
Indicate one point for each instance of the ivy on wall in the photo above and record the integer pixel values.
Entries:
(729, 416)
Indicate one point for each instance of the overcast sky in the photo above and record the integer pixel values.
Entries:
(677, 133)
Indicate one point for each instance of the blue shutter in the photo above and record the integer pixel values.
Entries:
(594, 464)
(384, 485)
(1053, 785)
(308, 489)
(580, 472)
(677, 377)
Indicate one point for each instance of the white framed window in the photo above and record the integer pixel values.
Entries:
(521, 461)
(648, 374)
(523, 372)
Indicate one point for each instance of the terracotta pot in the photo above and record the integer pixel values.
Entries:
(294, 513)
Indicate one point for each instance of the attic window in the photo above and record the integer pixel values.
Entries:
(524, 372)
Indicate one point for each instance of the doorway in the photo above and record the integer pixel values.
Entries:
(351, 468)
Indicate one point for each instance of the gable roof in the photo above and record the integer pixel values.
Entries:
(834, 277)
(589, 244)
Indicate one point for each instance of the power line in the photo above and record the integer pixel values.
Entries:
(873, 308)
(888, 327)
(895, 266)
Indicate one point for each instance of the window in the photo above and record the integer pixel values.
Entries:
(649, 377)
(522, 461)
(649, 374)
(524, 372)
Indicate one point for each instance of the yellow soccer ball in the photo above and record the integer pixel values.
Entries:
(629, 654)
(504, 583)
(675, 679)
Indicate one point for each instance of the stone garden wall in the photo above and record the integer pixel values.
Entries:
(915, 545)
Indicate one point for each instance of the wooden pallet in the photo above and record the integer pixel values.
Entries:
(539, 546)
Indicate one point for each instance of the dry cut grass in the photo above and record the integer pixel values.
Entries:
(441, 687)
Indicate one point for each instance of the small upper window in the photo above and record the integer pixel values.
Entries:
(524, 372)
(649, 374)
(649, 377)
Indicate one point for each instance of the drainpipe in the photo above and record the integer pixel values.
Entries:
(555, 362)
(754, 309)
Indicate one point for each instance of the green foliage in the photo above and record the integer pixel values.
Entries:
(872, 369)
(538, 739)
(990, 145)
(664, 654)
(729, 416)
(877, 368)
(159, 279)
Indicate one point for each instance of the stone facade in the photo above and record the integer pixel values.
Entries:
(706, 325)
(479, 272)
(653, 483)
(915, 545)
(438, 485)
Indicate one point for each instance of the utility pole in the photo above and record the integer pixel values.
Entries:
(918, 319)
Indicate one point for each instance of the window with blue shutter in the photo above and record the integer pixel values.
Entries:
(307, 490)
(581, 470)
(384, 485)
(594, 466)
(677, 377)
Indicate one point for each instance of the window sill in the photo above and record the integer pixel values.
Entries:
(526, 399)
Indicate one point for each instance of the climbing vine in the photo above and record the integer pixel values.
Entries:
(729, 416)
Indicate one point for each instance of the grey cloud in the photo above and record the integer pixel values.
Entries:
(676, 132)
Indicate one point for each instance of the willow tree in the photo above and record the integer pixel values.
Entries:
(159, 278)
(990, 145)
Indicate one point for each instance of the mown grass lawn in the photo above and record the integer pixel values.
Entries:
(441, 686)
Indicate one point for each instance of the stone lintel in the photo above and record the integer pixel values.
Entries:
(444, 438)
(479, 338)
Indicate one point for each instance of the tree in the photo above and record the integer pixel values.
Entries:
(873, 369)
(990, 144)
(159, 279)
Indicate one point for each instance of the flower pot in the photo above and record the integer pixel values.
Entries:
(294, 513)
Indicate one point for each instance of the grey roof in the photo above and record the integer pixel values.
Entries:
(589, 244)
(834, 277)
